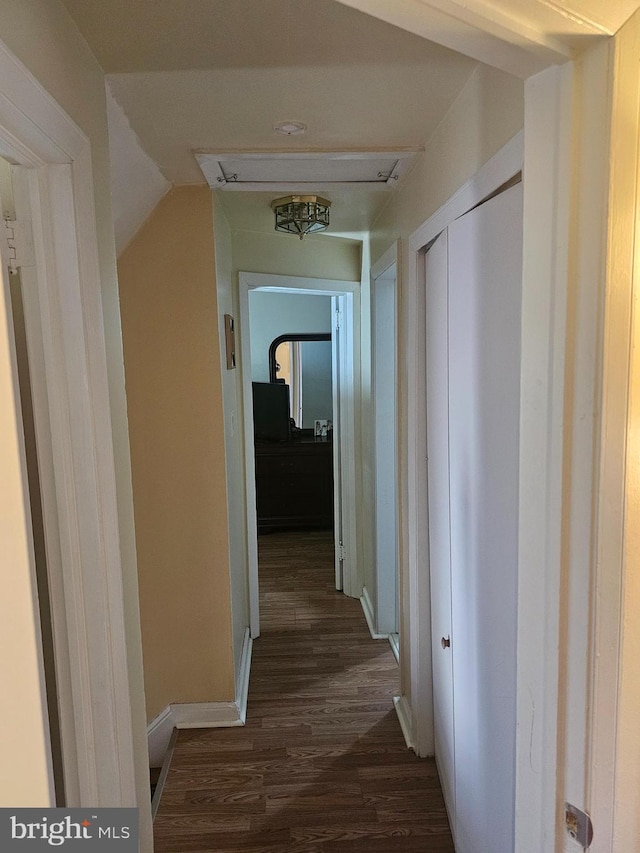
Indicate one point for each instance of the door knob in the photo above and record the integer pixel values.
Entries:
(445, 642)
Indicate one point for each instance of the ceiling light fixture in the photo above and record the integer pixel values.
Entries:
(290, 128)
(301, 214)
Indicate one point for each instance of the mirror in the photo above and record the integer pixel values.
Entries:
(303, 362)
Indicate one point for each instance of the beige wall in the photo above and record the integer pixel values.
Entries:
(172, 363)
(44, 38)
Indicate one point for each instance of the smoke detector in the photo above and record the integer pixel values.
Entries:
(290, 128)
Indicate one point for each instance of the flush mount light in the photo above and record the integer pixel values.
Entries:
(301, 214)
(290, 128)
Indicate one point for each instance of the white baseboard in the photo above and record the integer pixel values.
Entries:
(242, 684)
(201, 715)
(367, 609)
(162, 779)
(394, 642)
(158, 737)
(205, 715)
(406, 719)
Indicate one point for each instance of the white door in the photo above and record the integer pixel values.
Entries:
(436, 277)
(485, 275)
(473, 305)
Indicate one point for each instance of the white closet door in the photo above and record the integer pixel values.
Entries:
(438, 497)
(485, 275)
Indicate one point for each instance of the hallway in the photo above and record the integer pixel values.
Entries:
(321, 765)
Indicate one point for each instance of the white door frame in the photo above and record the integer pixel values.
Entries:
(563, 290)
(579, 635)
(614, 773)
(389, 260)
(345, 401)
(71, 402)
(318, 287)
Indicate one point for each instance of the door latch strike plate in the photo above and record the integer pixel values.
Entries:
(578, 824)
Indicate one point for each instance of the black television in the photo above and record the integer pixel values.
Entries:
(271, 411)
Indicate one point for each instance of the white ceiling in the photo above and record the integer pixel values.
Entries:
(390, 103)
(182, 35)
(219, 74)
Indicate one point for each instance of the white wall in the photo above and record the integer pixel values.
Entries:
(316, 382)
(137, 184)
(274, 314)
(486, 114)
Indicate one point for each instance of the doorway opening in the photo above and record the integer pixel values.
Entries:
(32, 485)
(54, 244)
(336, 302)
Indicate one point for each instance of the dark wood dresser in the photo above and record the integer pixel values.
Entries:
(294, 483)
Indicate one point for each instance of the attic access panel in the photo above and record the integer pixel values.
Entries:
(304, 171)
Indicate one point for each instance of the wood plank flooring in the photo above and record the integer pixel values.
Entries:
(321, 765)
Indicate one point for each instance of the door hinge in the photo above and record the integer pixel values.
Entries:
(338, 319)
(342, 553)
(18, 239)
(578, 824)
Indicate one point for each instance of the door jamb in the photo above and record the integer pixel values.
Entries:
(389, 259)
(36, 133)
(614, 774)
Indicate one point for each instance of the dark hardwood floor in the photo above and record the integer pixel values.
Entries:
(321, 765)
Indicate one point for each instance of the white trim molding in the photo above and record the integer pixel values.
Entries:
(614, 772)
(405, 718)
(201, 715)
(387, 260)
(244, 672)
(495, 172)
(159, 733)
(548, 111)
(394, 642)
(521, 41)
(206, 715)
(367, 609)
